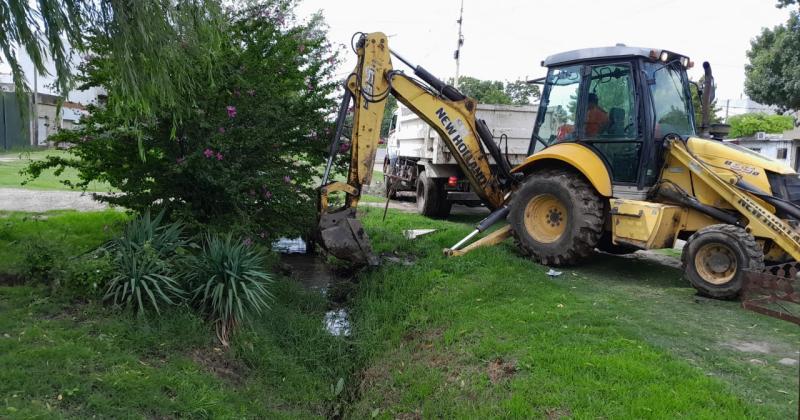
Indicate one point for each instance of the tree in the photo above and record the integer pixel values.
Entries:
(522, 92)
(497, 92)
(772, 76)
(746, 125)
(697, 104)
(150, 46)
(246, 156)
(483, 91)
(388, 114)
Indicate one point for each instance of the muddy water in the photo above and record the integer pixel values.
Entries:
(311, 271)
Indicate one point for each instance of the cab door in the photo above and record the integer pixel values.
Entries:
(610, 118)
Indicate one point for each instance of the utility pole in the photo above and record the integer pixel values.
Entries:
(727, 107)
(457, 54)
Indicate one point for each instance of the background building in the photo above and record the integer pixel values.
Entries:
(18, 130)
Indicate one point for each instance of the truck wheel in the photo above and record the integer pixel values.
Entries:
(716, 257)
(431, 197)
(556, 217)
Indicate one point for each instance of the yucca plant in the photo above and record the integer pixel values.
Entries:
(144, 260)
(229, 283)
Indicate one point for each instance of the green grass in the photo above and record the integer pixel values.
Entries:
(12, 163)
(484, 335)
(77, 232)
(80, 361)
(613, 338)
(60, 358)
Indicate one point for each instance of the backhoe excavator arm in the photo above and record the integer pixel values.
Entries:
(445, 109)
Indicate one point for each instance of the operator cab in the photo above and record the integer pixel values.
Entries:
(620, 102)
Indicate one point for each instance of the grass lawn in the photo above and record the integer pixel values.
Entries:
(485, 335)
(60, 358)
(75, 231)
(490, 335)
(12, 163)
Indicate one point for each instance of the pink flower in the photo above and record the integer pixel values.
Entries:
(287, 179)
(309, 86)
(247, 242)
(208, 153)
(267, 194)
(219, 156)
(344, 147)
(221, 130)
(231, 111)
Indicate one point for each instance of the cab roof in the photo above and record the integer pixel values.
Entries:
(599, 53)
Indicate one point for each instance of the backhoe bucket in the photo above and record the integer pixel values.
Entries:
(774, 292)
(344, 237)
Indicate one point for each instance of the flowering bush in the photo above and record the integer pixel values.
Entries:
(247, 158)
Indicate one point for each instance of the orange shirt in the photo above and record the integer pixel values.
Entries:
(596, 121)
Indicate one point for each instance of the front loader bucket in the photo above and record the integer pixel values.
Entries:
(774, 292)
(344, 237)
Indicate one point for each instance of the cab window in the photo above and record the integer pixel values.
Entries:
(559, 113)
(671, 98)
(609, 112)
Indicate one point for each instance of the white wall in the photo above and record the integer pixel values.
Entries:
(45, 82)
(769, 148)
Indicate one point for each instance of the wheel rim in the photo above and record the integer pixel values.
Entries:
(545, 218)
(716, 263)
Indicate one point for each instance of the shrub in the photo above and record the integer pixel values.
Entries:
(144, 260)
(43, 260)
(88, 275)
(229, 283)
(246, 152)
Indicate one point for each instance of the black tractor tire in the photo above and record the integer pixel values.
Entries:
(715, 260)
(431, 197)
(556, 217)
(607, 245)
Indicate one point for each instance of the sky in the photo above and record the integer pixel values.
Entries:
(507, 39)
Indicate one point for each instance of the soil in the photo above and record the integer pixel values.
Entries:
(7, 279)
(18, 199)
(749, 346)
(216, 361)
(499, 370)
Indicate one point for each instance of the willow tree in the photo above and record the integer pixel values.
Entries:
(151, 43)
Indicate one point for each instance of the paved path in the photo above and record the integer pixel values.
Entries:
(18, 199)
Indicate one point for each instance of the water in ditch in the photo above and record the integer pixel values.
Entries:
(314, 274)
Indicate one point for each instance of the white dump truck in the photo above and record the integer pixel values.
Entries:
(418, 160)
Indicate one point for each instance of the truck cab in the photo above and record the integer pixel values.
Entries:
(590, 97)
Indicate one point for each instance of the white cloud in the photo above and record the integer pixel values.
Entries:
(507, 39)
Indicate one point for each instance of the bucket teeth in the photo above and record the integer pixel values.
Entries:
(344, 237)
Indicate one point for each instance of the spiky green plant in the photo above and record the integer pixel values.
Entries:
(144, 260)
(229, 283)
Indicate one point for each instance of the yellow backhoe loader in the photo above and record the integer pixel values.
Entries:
(615, 163)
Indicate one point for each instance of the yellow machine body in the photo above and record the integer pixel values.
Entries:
(576, 156)
(707, 173)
